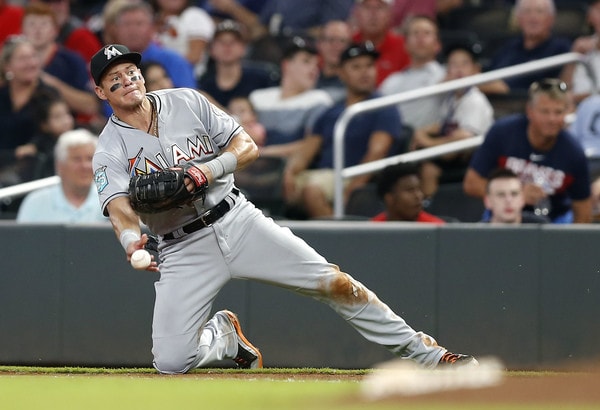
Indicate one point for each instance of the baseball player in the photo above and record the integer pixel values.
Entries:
(174, 143)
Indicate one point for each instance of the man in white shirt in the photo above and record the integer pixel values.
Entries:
(423, 45)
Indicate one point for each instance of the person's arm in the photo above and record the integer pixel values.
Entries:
(80, 101)
(582, 211)
(241, 14)
(306, 151)
(379, 147)
(474, 184)
(126, 225)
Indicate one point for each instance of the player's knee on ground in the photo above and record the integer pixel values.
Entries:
(173, 359)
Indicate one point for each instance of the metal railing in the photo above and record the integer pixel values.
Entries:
(342, 123)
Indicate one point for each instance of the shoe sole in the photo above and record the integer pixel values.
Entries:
(238, 330)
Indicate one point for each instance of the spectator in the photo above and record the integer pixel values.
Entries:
(464, 113)
(185, 29)
(73, 34)
(534, 145)
(64, 69)
(582, 82)
(288, 18)
(289, 110)
(373, 23)
(535, 19)
(230, 75)
(243, 111)
(75, 199)
(505, 200)
(10, 19)
(399, 187)
(586, 130)
(595, 188)
(134, 28)
(21, 70)
(155, 76)
(244, 12)
(104, 23)
(334, 38)
(369, 136)
(53, 118)
(423, 45)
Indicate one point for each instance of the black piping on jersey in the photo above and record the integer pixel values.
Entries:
(230, 137)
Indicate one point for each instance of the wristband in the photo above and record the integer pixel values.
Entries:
(127, 237)
(225, 163)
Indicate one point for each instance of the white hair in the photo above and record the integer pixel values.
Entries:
(73, 138)
(550, 3)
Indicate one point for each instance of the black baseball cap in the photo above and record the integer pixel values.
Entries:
(108, 55)
(359, 50)
(296, 45)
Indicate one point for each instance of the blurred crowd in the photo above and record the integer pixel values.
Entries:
(287, 70)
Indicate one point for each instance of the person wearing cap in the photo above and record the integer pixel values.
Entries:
(373, 22)
(369, 136)
(230, 74)
(423, 45)
(464, 113)
(221, 236)
(289, 110)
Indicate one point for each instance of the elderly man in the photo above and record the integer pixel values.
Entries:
(551, 164)
(535, 19)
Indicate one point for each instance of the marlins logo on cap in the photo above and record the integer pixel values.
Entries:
(109, 55)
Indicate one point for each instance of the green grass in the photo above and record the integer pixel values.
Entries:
(208, 389)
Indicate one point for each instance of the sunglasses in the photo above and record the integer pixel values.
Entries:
(548, 84)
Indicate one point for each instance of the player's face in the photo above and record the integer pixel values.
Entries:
(122, 85)
(405, 202)
(505, 200)
(359, 74)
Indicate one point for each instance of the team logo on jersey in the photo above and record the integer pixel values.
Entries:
(140, 165)
(100, 179)
(111, 52)
(195, 149)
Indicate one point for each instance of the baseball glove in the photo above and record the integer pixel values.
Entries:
(165, 189)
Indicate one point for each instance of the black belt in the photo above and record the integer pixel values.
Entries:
(206, 219)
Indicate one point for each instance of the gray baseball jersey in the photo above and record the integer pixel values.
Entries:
(242, 244)
(196, 131)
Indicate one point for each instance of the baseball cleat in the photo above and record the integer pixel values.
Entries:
(457, 359)
(248, 356)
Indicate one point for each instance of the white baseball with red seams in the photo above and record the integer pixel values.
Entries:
(141, 259)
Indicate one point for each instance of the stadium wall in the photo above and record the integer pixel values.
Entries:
(529, 295)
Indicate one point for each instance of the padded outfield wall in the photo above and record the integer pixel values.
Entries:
(529, 295)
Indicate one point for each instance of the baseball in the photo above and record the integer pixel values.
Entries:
(141, 259)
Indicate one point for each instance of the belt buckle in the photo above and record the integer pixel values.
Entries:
(204, 215)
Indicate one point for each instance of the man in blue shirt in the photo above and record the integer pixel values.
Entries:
(535, 19)
(535, 146)
(370, 136)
